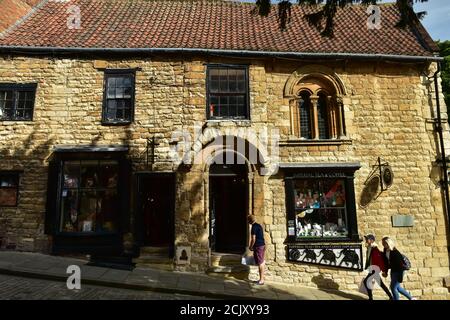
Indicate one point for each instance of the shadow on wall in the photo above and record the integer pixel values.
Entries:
(322, 283)
(27, 156)
(329, 286)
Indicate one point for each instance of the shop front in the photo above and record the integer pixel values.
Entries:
(321, 215)
(88, 199)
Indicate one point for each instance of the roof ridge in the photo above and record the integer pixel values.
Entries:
(23, 19)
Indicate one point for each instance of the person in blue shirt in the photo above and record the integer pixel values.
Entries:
(257, 245)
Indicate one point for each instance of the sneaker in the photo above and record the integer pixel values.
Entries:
(259, 283)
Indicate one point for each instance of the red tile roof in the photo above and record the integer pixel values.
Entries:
(210, 24)
(11, 11)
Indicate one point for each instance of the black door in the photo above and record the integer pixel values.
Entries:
(228, 209)
(156, 203)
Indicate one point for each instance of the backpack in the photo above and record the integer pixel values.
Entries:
(406, 264)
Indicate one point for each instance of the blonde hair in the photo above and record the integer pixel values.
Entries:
(251, 219)
(389, 242)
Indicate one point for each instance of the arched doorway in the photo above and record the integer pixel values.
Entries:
(228, 206)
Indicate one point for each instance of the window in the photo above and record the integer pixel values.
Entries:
(320, 203)
(9, 189)
(316, 108)
(322, 117)
(89, 196)
(317, 115)
(320, 208)
(118, 104)
(17, 101)
(227, 88)
(305, 117)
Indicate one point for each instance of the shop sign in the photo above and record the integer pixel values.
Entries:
(339, 256)
(319, 175)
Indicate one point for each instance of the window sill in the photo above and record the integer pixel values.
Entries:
(323, 241)
(228, 122)
(117, 123)
(13, 121)
(308, 142)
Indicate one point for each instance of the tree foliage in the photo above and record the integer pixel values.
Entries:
(444, 48)
(328, 11)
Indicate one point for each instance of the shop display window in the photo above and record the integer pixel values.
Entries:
(89, 196)
(320, 208)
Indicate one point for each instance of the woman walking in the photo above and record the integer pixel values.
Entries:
(395, 263)
(374, 257)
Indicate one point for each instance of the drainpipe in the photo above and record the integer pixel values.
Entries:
(439, 129)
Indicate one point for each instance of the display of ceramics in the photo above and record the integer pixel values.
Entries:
(301, 214)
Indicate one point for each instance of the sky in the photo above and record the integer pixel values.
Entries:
(437, 20)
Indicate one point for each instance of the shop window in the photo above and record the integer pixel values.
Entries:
(9, 189)
(17, 101)
(227, 91)
(89, 196)
(321, 206)
(118, 104)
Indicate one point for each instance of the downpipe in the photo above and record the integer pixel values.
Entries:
(439, 129)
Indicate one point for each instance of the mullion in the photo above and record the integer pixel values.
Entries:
(16, 102)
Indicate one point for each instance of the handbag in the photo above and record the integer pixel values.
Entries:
(248, 260)
(362, 288)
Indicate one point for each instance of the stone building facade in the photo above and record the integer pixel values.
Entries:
(376, 110)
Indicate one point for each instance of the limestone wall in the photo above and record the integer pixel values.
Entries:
(386, 112)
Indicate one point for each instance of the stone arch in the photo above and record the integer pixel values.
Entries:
(213, 140)
(317, 81)
(314, 74)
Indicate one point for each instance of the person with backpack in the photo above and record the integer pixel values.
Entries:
(398, 264)
(374, 258)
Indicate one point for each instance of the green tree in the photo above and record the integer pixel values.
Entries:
(444, 48)
(329, 9)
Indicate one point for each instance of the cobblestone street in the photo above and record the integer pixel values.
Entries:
(17, 288)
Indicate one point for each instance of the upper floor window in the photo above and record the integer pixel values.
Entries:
(9, 189)
(118, 102)
(227, 91)
(17, 101)
(317, 111)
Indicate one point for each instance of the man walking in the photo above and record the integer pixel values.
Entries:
(257, 245)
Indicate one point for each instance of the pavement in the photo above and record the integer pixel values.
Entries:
(21, 288)
(40, 266)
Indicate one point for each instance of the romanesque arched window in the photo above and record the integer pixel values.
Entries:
(316, 107)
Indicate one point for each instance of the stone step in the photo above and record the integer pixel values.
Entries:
(155, 250)
(225, 260)
(156, 266)
(238, 272)
(153, 259)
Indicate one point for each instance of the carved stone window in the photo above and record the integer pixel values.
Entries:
(316, 106)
